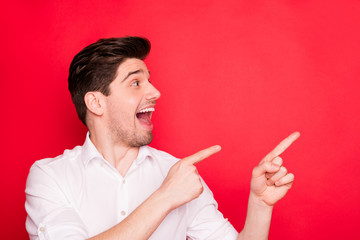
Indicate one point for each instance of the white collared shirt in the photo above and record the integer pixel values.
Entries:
(78, 195)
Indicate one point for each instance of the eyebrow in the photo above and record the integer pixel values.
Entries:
(132, 73)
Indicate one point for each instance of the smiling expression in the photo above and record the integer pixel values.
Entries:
(130, 104)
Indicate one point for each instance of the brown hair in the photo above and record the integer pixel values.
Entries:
(94, 67)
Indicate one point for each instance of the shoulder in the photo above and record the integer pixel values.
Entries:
(69, 157)
(54, 169)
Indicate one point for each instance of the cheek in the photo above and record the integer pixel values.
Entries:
(125, 103)
(130, 101)
(128, 107)
(124, 108)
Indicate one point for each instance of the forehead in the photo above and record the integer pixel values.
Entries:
(131, 65)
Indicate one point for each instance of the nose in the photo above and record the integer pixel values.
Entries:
(153, 93)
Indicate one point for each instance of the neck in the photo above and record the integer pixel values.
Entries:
(119, 155)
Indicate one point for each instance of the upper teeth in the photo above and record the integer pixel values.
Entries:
(147, 110)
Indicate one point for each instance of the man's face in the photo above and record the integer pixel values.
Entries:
(130, 104)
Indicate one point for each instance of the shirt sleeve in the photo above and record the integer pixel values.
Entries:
(206, 221)
(50, 216)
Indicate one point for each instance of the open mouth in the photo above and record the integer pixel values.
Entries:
(144, 115)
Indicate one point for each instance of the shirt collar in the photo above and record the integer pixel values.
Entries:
(90, 152)
(144, 153)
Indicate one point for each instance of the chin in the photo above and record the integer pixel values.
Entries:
(143, 140)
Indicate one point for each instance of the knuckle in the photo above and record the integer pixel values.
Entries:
(192, 168)
(201, 189)
(181, 162)
(201, 153)
(267, 164)
(201, 156)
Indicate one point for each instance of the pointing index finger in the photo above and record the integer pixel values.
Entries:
(201, 155)
(283, 145)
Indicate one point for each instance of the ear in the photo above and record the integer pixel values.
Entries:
(94, 103)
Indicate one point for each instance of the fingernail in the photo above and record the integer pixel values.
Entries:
(217, 147)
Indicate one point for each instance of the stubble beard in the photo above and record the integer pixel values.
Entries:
(130, 138)
(138, 141)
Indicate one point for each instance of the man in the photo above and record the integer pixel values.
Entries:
(117, 187)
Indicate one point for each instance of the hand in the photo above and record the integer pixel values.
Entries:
(183, 184)
(270, 180)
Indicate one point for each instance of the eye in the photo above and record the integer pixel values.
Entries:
(135, 83)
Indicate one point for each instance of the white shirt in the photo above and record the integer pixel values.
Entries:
(78, 195)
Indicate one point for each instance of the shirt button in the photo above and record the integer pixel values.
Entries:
(42, 229)
(124, 181)
(123, 213)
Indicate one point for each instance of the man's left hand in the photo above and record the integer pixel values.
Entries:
(270, 180)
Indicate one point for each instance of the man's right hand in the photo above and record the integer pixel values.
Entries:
(183, 184)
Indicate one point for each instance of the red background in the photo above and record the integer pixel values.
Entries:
(242, 74)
